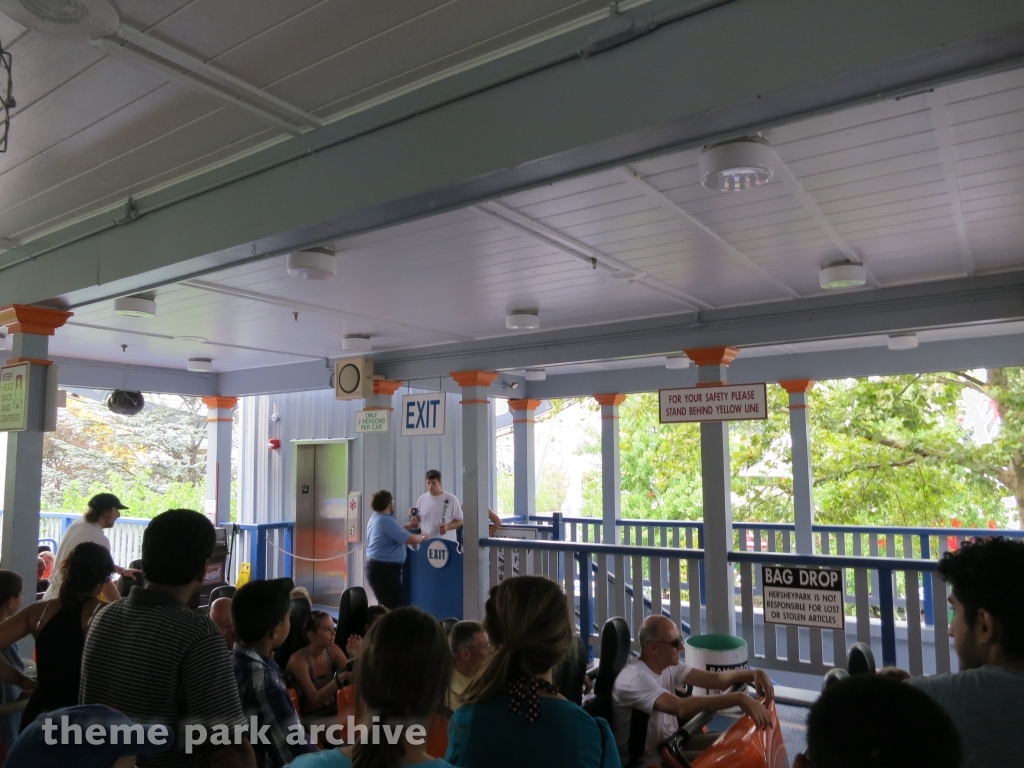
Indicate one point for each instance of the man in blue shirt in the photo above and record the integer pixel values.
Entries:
(386, 540)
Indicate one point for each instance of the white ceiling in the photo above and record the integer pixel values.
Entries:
(96, 123)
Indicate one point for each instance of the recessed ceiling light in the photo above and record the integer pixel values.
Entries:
(522, 319)
(842, 274)
(536, 374)
(312, 264)
(192, 339)
(736, 165)
(901, 341)
(135, 306)
(356, 342)
(677, 362)
(200, 365)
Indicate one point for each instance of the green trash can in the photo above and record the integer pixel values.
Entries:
(715, 653)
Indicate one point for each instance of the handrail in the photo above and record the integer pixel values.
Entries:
(835, 561)
(592, 548)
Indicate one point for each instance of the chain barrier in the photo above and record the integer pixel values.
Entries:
(311, 559)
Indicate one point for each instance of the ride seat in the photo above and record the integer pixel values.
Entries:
(437, 737)
(125, 583)
(352, 614)
(223, 591)
(447, 625)
(300, 610)
(569, 676)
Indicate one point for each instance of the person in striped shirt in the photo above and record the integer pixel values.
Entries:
(154, 659)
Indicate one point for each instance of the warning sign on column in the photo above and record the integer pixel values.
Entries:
(803, 597)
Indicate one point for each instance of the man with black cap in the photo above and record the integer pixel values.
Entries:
(104, 509)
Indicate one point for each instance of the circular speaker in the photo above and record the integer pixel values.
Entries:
(125, 403)
(349, 378)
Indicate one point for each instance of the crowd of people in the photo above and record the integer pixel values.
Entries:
(206, 690)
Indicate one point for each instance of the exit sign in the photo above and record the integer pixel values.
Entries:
(423, 414)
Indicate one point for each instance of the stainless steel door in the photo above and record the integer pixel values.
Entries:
(321, 496)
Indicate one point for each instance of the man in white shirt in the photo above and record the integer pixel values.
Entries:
(649, 684)
(440, 511)
(104, 509)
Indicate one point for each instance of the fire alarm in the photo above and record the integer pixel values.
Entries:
(275, 443)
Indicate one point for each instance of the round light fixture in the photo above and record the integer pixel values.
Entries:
(522, 319)
(536, 374)
(356, 342)
(736, 165)
(902, 341)
(135, 306)
(312, 264)
(677, 362)
(842, 274)
(192, 339)
(200, 365)
(75, 19)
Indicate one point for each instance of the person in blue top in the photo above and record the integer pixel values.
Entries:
(402, 678)
(512, 715)
(385, 550)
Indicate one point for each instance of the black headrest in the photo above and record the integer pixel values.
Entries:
(833, 676)
(352, 613)
(860, 660)
(447, 624)
(614, 654)
(225, 590)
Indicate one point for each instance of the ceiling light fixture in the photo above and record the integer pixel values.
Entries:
(522, 319)
(312, 264)
(192, 339)
(842, 274)
(135, 306)
(677, 362)
(899, 342)
(200, 365)
(736, 165)
(356, 342)
(75, 19)
(536, 374)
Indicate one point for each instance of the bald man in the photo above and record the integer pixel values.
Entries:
(649, 684)
(220, 612)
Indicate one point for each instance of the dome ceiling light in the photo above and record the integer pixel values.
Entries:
(842, 274)
(736, 165)
(313, 264)
(356, 342)
(200, 365)
(536, 374)
(69, 19)
(677, 362)
(135, 306)
(522, 319)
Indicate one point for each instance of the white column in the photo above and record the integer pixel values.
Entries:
(523, 412)
(219, 421)
(611, 475)
(803, 479)
(378, 474)
(31, 327)
(712, 364)
(476, 482)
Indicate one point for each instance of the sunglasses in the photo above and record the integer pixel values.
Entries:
(677, 643)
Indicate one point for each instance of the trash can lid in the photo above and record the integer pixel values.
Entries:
(716, 642)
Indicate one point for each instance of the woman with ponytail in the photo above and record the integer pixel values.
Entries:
(59, 626)
(512, 714)
(400, 681)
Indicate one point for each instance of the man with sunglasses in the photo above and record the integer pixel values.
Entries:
(649, 684)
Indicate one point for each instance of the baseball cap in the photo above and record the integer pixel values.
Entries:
(31, 750)
(105, 501)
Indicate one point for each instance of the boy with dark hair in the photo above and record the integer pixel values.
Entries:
(260, 610)
(11, 585)
(871, 720)
(157, 661)
(986, 697)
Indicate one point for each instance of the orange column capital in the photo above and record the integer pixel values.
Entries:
(474, 378)
(40, 321)
(712, 355)
(610, 399)
(794, 386)
(220, 402)
(524, 405)
(385, 387)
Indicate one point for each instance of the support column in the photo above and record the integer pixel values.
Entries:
(219, 422)
(378, 474)
(716, 477)
(31, 327)
(476, 488)
(523, 412)
(803, 479)
(611, 475)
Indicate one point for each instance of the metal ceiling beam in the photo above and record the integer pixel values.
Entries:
(426, 153)
(988, 299)
(937, 109)
(645, 188)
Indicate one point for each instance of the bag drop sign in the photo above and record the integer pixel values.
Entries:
(803, 597)
(14, 398)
